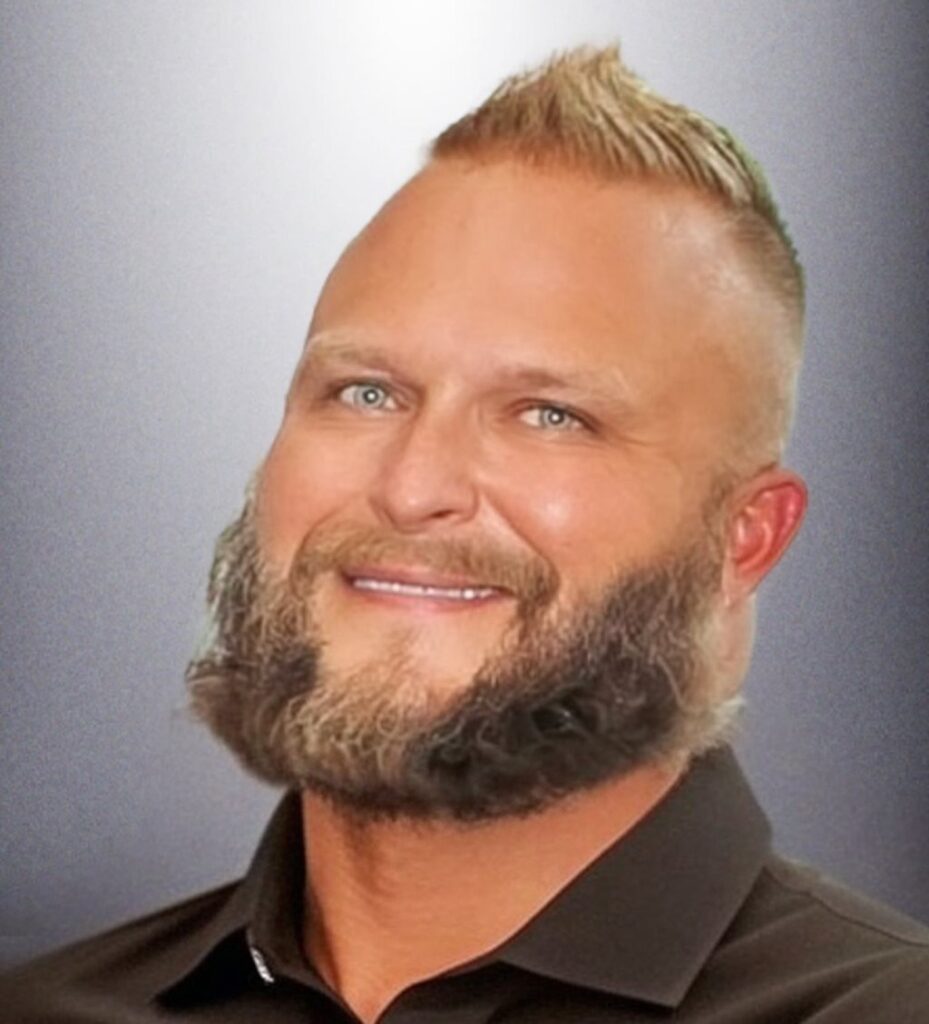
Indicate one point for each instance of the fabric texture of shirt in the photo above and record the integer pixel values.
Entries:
(689, 917)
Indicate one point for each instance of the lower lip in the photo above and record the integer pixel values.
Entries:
(423, 603)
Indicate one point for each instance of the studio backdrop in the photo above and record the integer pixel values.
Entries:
(178, 178)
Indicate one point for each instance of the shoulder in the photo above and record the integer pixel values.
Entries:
(112, 971)
(818, 951)
(840, 909)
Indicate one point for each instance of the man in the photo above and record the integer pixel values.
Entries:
(489, 604)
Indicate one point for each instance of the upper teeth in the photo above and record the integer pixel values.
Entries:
(414, 590)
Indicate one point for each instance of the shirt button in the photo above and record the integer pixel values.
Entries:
(261, 965)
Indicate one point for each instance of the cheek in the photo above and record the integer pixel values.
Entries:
(591, 520)
(300, 485)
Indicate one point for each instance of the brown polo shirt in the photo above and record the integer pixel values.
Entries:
(688, 918)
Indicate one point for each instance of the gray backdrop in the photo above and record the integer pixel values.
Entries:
(176, 180)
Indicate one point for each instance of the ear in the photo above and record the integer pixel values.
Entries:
(765, 515)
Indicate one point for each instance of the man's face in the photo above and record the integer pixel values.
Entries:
(536, 364)
(515, 397)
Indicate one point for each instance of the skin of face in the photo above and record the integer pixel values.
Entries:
(530, 360)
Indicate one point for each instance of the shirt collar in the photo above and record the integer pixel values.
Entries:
(640, 921)
(643, 919)
(262, 908)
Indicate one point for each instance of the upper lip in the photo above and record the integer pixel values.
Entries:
(417, 577)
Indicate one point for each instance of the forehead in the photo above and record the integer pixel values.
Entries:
(483, 266)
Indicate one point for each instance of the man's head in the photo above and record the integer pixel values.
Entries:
(505, 542)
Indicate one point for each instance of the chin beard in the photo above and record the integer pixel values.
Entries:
(569, 701)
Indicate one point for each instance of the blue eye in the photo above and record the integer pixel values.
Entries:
(364, 395)
(552, 417)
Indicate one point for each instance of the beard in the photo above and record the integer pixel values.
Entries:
(570, 698)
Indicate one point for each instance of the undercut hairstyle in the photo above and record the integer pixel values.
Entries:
(585, 111)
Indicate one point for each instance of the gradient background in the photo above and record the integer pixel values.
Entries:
(177, 179)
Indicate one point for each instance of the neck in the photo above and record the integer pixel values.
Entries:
(392, 903)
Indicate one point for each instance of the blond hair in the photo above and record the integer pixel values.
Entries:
(586, 111)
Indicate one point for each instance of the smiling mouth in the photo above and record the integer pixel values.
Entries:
(420, 585)
(394, 587)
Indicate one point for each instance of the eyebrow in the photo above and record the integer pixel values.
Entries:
(326, 348)
(604, 386)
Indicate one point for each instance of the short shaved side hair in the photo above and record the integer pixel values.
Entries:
(585, 111)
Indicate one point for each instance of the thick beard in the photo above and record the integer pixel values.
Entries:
(568, 702)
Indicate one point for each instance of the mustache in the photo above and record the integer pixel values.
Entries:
(530, 578)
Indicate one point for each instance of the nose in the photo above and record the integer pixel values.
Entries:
(427, 476)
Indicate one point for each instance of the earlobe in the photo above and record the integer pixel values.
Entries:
(765, 519)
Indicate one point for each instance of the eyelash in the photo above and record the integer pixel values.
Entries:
(573, 420)
(337, 391)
